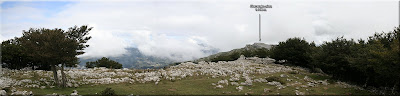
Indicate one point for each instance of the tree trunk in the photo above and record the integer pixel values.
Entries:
(63, 76)
(366, 82)
(394, 88)
(53, 67)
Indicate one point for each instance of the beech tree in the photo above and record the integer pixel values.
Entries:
(53, 47)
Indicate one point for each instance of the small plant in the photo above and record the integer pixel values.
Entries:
(293, 72)
(274, 78)
(108, 92)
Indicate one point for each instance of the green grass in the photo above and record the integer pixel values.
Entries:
(201, 85)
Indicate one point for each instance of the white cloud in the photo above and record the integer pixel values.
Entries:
(104, 44)
(174, 28)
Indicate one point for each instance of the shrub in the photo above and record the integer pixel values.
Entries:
(108, 92)
(274, 78)
(104, 62)
(295, 50)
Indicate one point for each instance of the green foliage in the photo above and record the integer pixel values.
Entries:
(295, 50)
(227, 57)
(104, 62)
(47, 48)
(50, 46)
(13, 56)
(42, 47)
(275, 78)
(333, 58)
(375, 62)
(108, 92)
(248, 51)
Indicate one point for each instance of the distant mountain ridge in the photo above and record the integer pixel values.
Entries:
(134, 59)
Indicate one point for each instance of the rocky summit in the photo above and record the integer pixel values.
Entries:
(247, 75)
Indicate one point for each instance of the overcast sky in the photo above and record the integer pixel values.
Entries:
(168, 28)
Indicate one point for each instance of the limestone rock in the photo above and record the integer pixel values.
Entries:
(3, 92)
(239, 88)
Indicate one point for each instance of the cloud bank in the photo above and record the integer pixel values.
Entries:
(176, 29)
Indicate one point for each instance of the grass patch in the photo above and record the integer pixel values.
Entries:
(201, 85)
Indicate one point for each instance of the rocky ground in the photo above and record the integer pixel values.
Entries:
(243, 76)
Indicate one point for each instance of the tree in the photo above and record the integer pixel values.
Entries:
(104, 62)
(295, 50)
(384, 59)
(55, 46)
(13, 56)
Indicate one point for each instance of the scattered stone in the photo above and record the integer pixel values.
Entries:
(223, 82)
(280, 86)
(239, 88)
(248, 82)
(284, 75)
(298, 92)
(76, 85)
(267, 90)
(74, 92)
(311, 84)
(21, 93)
(325, 82)
(234, 83)
(242, 57)
(234, 79)
(306, 78)
(69, 84)
(3, 92)
(274, 83)
(260, 80)
(219, 86)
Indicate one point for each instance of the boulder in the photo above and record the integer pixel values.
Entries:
(267, 90)
(242, 57)
(3, 92)
(74, 92)
(239, 88)
(234, 83)
(220, 86)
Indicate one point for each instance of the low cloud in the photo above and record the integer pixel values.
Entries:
(178, 29)
(161, 45)
(104, 44)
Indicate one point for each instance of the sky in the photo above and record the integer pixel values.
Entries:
(176, 29)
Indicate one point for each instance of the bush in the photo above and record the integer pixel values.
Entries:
(104, 62)
(275, 78)
(295, 50)
(108, 92)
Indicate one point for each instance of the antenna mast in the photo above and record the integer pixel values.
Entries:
(262, 8)
(259, 27)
